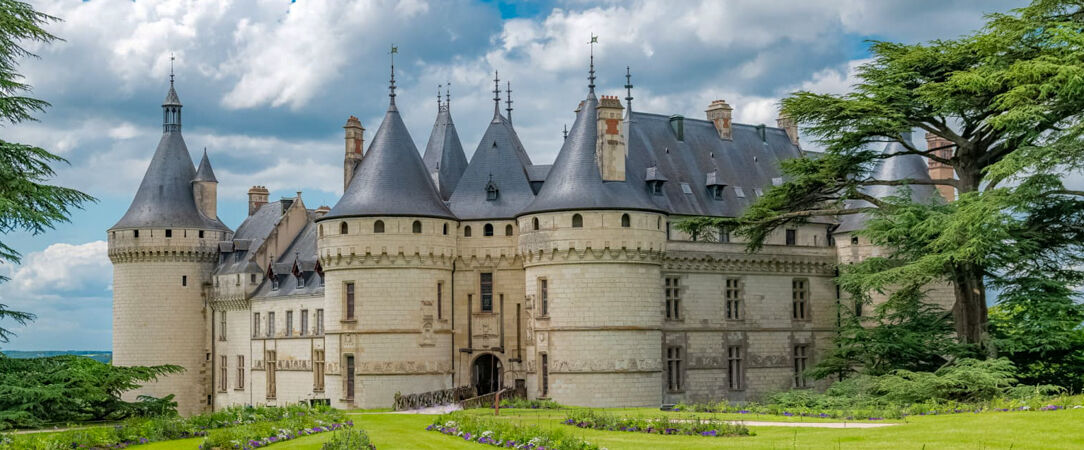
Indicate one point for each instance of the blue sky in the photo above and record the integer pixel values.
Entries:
(267, 86)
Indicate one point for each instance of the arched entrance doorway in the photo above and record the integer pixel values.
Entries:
(486, 374)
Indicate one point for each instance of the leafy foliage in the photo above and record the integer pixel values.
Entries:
(68, 388)
(261, 434)
(1039, 327)
(708, 427)
(507, 434)
(349, 439)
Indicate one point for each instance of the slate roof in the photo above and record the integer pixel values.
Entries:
(392, 179)
(895, 168)
(444, 157)
(236, 256)
(302, 253)
(574, 182)
(165, 198)
(501, 160)
(745, 164)
(204, 172)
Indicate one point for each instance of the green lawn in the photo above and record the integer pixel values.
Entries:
(998, 430)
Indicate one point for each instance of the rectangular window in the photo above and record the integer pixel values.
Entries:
(318, 370)
(544, 296)
(800, 297)
(545, 363)
(801, 361)
(735, 367)
(349, 376)
(349, 301)
(289, 323)
(169, 233)
(733, 299)
(270, 324)
(487, 292)
(724, 235)
(240, 372)
(271, 366)
(255, 324)
(857, 308)
(440, 300)
(201, 234)
(222, 326)
(184, 280)
(320, 322)
(304, 322)
(674, 382)
(673, 298)
(252, 278)
(792, 237)
(223, 373)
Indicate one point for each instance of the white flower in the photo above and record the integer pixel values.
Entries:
(535, 441)
(487, 433)
(450, 424)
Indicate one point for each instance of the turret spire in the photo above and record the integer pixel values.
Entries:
(171, 107)
(496, 94)
(391, 86)
(628, 90)
(508, 101)
(564, 133)
(448, 96)
(591, 77)
(171, 58)
(440, 106)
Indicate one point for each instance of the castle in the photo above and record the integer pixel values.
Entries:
(432, 272)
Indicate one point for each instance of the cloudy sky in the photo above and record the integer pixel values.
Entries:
(268, 84)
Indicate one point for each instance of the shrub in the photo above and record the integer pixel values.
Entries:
(523, 403)
(349, 439)
(260, 434)
(507, 434)
(596, 420)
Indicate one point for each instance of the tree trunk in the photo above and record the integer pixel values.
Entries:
(969, 311)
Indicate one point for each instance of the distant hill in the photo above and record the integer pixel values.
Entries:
(103, 356)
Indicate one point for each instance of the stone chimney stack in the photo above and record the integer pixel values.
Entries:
(257, 197)
(610, 148)
(355, 142)
(720, 114)
(940, 171)
(322, 211)
(788, 125)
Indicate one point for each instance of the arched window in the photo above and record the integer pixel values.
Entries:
(658, 223)
(625, 222)
(466, 231)
(343, 228)
(534, 222)
(445, 229)
(417, 227)
(487, 230)
(508, 230)
(378, 227)
(577, 221)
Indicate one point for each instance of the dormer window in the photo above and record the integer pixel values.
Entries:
(491, 191)
(715, 186)
(716, 192)
(655, 180)
(274, 283)
(300, 281)
(655, 187)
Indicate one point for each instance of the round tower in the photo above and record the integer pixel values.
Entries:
(592, 245)
(387, 250)
(163, 251)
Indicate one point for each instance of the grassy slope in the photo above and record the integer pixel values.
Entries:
(1018, 430)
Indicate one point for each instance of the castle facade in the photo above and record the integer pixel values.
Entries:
(432, 272)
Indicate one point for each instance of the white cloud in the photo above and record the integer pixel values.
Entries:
(62, 268)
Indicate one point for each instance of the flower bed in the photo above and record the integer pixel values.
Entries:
(145, 430)
(507, 434)
(256, 435)
(522, 403)
(659, 425)
(349, 439)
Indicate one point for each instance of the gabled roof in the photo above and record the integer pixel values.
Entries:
(299, 260)
(392, 179)
(444, 157)
(204, 172)
(900, 167)
(498, 161)
(574, 182)
(248, 239)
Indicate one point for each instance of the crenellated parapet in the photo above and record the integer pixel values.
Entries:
(592, 236)
(590, 256)
(386, 242)
(731, 259)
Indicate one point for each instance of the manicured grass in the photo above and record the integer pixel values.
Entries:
(994, 430)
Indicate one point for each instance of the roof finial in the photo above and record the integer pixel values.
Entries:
(496, 94)
(391, 87)
(565, 132)
(448, 95)
(628, 90)
(171, 58)
(508, 101)
(438, 96)
(591, 77)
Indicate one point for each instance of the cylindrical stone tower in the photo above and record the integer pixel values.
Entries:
(387, 250)
(163, 251)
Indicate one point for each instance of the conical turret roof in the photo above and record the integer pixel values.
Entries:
(204, 172)
(498, 162)
(392, 179)
(574, 182)
(899, 167)
(444, 157)
(164, 198)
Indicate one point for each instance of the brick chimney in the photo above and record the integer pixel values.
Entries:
(610, 148)
(322, 211)
(788, 125)
(938, 170)
(257, 197)
(720, 114)
(355, 141)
